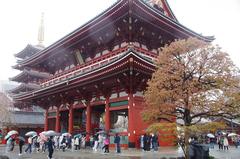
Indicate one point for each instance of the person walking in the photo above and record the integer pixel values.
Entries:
(83, 141)
(100, 141)
(21, 143)
(95, 140)
(141, 142)
(77, 143)
(29, 148)
(154, 142)
(225, 143)
(64, 143)
(50, 147)
(117, 143)
(106, 144)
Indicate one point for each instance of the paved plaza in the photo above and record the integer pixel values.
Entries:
(169, 152)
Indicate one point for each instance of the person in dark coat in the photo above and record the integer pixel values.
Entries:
(145, 142)
(50, 147)
(117, 143)
(21, 143)
(155, 142)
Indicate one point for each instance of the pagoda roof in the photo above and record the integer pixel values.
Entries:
(71, 80)
(26, 73)
(139, 8)
(23, 86)
(28, 51)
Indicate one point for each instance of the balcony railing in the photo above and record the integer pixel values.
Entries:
(96, 63)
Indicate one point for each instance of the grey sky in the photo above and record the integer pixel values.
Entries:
(20, 21)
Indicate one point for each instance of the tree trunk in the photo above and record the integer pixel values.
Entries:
(187, 120)
(186, 144)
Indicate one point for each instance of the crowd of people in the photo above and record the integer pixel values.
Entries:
(149, 142)
(37, 143)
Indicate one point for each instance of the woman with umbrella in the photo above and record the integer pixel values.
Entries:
(10, 137)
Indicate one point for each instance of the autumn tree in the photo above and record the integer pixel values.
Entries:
(194, 80)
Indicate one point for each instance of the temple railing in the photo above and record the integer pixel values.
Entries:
(96, 63)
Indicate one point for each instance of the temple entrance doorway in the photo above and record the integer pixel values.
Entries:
(119, 120)
(79, 121)
(64, 121)
(98, 118)
(51, 123)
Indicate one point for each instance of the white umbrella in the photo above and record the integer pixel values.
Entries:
(51, 133)
(66, 134)
(232, 134)
(210, 135)
(7, 137)
(43, 133)
(31, 133)
(12, 132)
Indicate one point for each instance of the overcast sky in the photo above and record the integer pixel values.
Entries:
(19, 22)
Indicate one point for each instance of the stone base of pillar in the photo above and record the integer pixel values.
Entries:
(131, 144)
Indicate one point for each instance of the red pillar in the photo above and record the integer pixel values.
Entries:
(107, 115)
(70, 120)
(57, 126)
(131, 131)
(88, 123)
(46, 120)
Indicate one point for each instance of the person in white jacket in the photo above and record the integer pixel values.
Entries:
(225, 143)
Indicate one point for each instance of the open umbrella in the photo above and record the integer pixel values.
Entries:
(101, 132)
(51, 133)
(232, 134)
(77, 135)
(43, 136)
(44, 132)
(34, 136)
(210, 135)
(7, 137)
(66, 134)
(31, 133)
(12, 132)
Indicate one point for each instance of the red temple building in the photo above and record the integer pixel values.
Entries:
(94, 77)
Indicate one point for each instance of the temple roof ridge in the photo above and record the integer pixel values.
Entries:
(29, 50)
(23, 86)
(33, 73)
(102, 16)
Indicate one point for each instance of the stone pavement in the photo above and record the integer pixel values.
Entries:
(168, 152)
